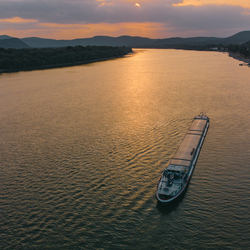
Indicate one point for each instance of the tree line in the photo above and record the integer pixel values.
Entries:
(25, 59)
(243, 49)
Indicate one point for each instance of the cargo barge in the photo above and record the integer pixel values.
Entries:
(177, 174)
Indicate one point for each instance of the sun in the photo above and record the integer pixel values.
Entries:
(138, 5)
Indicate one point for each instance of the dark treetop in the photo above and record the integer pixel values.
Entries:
(28, 59)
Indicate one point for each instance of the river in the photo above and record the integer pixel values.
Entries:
(82, 149)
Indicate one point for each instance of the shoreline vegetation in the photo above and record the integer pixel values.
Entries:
(14, 60)
(239, 57)
(239, 52)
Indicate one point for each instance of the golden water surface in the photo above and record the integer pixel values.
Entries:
(82, 149)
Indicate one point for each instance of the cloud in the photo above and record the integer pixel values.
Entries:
(18, 20)
(84, 11)
(167, 13)
(210, 17)
(91, 11)
(242, 3)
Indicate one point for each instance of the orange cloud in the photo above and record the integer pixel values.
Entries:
(103, 3)
(71, 31)
(18, 20)
(242, 3)
(152, 20)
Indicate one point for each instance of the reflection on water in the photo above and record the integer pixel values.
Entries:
(82, 149)
(167, 209)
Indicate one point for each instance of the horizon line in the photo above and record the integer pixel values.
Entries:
(122, 36)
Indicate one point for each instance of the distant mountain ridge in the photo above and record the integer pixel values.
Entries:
(130, 41)
(5, 37)
(96, 40)
(12, 43)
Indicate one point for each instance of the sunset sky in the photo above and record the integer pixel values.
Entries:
(69, 19)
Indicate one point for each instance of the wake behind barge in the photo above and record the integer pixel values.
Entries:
(177, 174)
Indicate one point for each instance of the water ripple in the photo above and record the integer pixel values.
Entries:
(79, 162)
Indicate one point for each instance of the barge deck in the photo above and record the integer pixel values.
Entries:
(177, 174)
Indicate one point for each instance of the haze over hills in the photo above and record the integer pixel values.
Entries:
(134, 42)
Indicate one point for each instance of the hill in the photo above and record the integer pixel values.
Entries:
(184, 41)
(129, 41)
(239, 38)
(138, 42)
(5, 37)
(12, 43)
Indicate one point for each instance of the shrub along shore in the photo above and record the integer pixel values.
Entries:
(12, 60)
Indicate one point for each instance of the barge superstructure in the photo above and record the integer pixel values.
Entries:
(177, 174)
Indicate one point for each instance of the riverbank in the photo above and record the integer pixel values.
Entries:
(238, 57)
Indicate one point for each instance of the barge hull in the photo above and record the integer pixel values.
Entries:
(183, 161)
